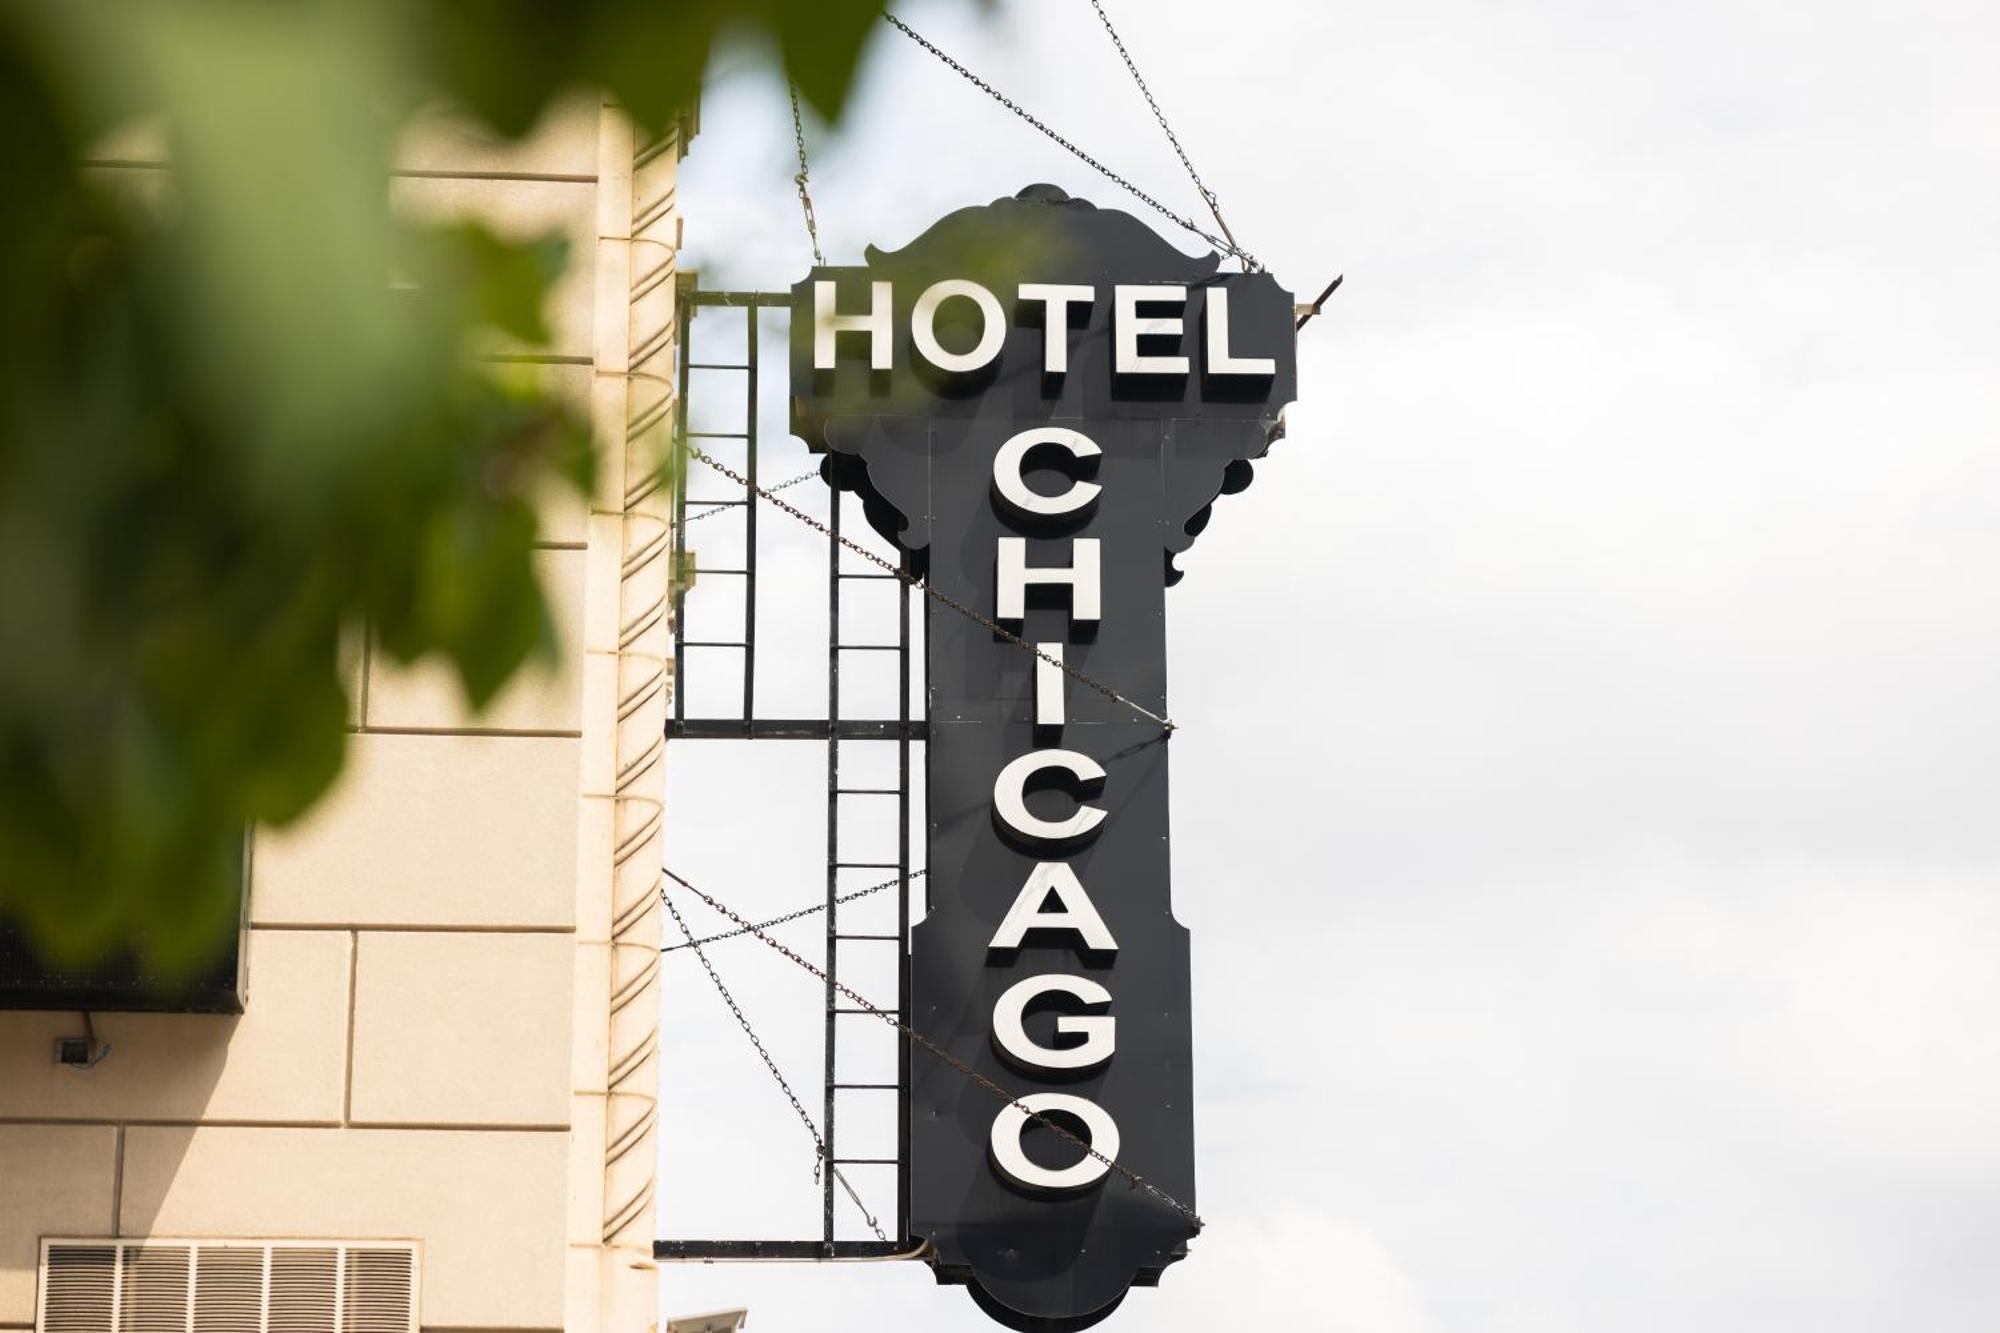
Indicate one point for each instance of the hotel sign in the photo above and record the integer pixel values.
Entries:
(1038, 401)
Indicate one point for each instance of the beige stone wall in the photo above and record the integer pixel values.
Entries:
(451, 1022)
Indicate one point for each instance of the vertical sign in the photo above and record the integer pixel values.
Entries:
(1038, 401)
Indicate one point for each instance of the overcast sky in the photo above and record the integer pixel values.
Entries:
(1587, 801)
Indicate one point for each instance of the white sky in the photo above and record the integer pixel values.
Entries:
(1585, 802)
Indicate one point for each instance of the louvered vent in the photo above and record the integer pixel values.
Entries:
(227, 1286)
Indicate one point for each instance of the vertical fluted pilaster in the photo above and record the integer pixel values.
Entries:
(644, 646)
(627, 687)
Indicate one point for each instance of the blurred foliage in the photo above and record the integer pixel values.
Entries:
(241, 416)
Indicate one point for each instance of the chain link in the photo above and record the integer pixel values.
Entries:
(1227, 246)
(1166, 724)
(805, 476)
(794, 916)
(823, 1158)
(1207, 194)
(805, 194)
(1136, 1180)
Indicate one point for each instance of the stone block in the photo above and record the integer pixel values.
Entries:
(544, 697)
(523, 210)
(562, 143)
(284, 1058)
(488, 1206)
(443, 830)
(55, 1180)
(462, 1029)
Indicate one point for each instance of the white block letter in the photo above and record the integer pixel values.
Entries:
(1013, 455)
(1074, 911)
(1131, 326)
(923, 325)
(1099, 1128)
(1081, 574)
(1099, 1031)
(876, 324)
(1056, 299)
(1049, 703)
(1220, 362)
(1009, 787)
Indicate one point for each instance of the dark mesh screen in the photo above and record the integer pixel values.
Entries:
(115, 981)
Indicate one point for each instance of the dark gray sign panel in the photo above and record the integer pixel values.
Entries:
(1039, 400)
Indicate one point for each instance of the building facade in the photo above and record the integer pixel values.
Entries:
(449, 1044)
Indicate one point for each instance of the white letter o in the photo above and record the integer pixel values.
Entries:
(1099, 1128)
(923, 325)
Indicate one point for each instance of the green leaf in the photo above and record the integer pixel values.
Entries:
(242, 418)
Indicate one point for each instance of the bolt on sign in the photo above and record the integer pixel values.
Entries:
(1038, 402)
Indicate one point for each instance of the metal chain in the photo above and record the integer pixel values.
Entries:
(805, 194)
(1042, 1118)
(819, 1144)
(781, 486)
(1227, 246)
(1207, 194)
(794, 916)
(1166, 724)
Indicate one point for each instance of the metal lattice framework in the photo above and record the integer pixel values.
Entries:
(698, 654)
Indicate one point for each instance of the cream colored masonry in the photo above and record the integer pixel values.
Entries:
(452, 1023)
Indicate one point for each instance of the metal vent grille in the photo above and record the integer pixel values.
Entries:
(227, 1286)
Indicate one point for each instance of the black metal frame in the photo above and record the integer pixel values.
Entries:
(834, 730)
